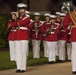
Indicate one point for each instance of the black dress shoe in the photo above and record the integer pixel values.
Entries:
(52, 62)
(49, 62)
(17, 71)
(22, 71)
(74, 72)
(61, 61)
(69, 60)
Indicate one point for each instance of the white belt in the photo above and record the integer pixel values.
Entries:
(63, 30)
(23, 28)
(69, 33)
(52, 32)
(13, 30)
(33, 30)
(44, 35)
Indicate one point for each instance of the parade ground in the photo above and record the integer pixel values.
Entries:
(47, 69)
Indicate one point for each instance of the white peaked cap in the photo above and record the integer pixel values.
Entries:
(20, 5)
(47, 14)
(27, 12)
(13, 12)
(57, 13)
(53, 16)
(27, 15)
(36, 13)
(62, 14)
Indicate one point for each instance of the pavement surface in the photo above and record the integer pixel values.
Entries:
(48, 69)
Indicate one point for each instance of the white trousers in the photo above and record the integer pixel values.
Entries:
(36, 48)
(62, 49)
(51, 51)
(69, 49)
(28, 51)
(12, 50)
(73, 56)
(57, 51)
(45, 49)
(21, 48)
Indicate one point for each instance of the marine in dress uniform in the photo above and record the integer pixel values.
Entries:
(51, 29)
(47, 22)
(71, 18)
(22, 37)
(62, 39)
(36, 35)
(28, 14)
(69, 46)
(52, 40)
(11, 36)
(57, 20)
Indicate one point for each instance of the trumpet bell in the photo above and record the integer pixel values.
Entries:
(65, 7)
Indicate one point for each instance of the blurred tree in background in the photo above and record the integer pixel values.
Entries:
(3, 33)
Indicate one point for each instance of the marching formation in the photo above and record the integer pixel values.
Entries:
(55, 32)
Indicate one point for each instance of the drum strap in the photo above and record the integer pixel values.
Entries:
(73, 17)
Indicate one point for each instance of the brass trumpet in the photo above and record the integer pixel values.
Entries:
(51, 29)
(36, 29)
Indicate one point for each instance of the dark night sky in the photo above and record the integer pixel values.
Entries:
(12, 4)
(74, 2)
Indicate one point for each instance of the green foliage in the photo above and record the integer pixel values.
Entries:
(5, 62)
(3, 33)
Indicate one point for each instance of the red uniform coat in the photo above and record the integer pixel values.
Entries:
(63, 34)
(33, 26)
(57, 20)
(12, 32)
(51, 36)
(68, 38)
(23, 32)
(69, 19)
(43, 29)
